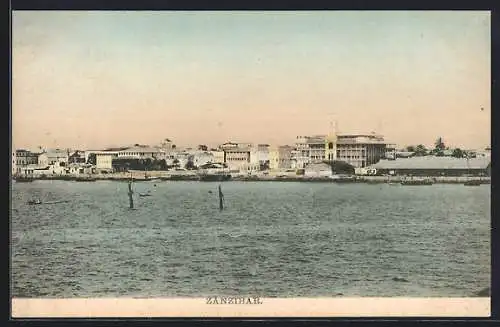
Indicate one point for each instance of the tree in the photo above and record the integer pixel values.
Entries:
(92, 159)
(410, 148)
(457, 153)
(190, 165)
(340, 167)
(439, 144)
(420, 150)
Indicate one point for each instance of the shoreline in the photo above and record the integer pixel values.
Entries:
(302, 179)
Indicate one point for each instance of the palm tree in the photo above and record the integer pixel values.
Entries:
(440, 144)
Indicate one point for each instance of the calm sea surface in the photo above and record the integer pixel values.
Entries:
(273, 239)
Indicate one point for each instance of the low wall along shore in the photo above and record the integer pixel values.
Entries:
(191, 175)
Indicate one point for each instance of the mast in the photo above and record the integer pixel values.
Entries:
(130, 193)
(221, 199)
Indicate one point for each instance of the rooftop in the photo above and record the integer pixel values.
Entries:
(431, 162)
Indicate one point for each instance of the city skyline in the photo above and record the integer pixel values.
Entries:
(94, 79)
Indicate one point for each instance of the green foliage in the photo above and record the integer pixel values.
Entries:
(439, 145)
(458, 153)
(190, 165)
(410, 148)
(341, 167)
(420, 150)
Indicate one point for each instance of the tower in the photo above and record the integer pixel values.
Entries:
(331, 143)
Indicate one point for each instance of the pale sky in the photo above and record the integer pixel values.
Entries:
(95, 79)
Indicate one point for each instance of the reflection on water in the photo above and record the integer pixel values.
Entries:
(272, 239)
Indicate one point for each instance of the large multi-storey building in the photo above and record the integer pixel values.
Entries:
(281, 157)
(237, 157)
(22, 159)
(361, 150)
(308, 149)
(51, 157)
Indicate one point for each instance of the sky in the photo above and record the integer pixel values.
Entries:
(90, 80)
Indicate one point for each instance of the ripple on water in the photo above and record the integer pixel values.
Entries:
(273, 239)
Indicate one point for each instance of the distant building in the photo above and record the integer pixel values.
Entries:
(166, 145)
(141, 152)
(249, 168)
(318, 170)
(218, 156)
(202, 157)
(236, 157)
(361, 150)
(13, 165)
(24, 158)
(77, 157)
(25, 161)
(104, 162)
(51, 157)
(80, 168)
(263, 154)
(434, 166)
(309, 149)
(280, 157)
(136, 151)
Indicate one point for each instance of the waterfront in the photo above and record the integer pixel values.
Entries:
(272, 239)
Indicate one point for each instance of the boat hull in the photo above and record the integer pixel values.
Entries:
(416, 183)
(214, 178)
(23, 180)
(472, 183)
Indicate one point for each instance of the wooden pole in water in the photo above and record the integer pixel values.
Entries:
(221, 199)
(130, 193)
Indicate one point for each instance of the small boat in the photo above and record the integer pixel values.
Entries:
(34, 202)
(216, 177)
(85, 179)
(417, 182)
(343, 179)
(23, 179)
(144, 194)
(472, 182)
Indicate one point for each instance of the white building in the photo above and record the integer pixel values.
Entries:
(136, 151)
(318, 170)
(218, 156)
(51, 157)
(260, 154)
(80, 168)
(249, 168)
(280, 157)
(361, 150)
(309, 149)
(203, 157)
(104, 161)
(182, 158)
(24, 159)
(237, 158)
(14, 166)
